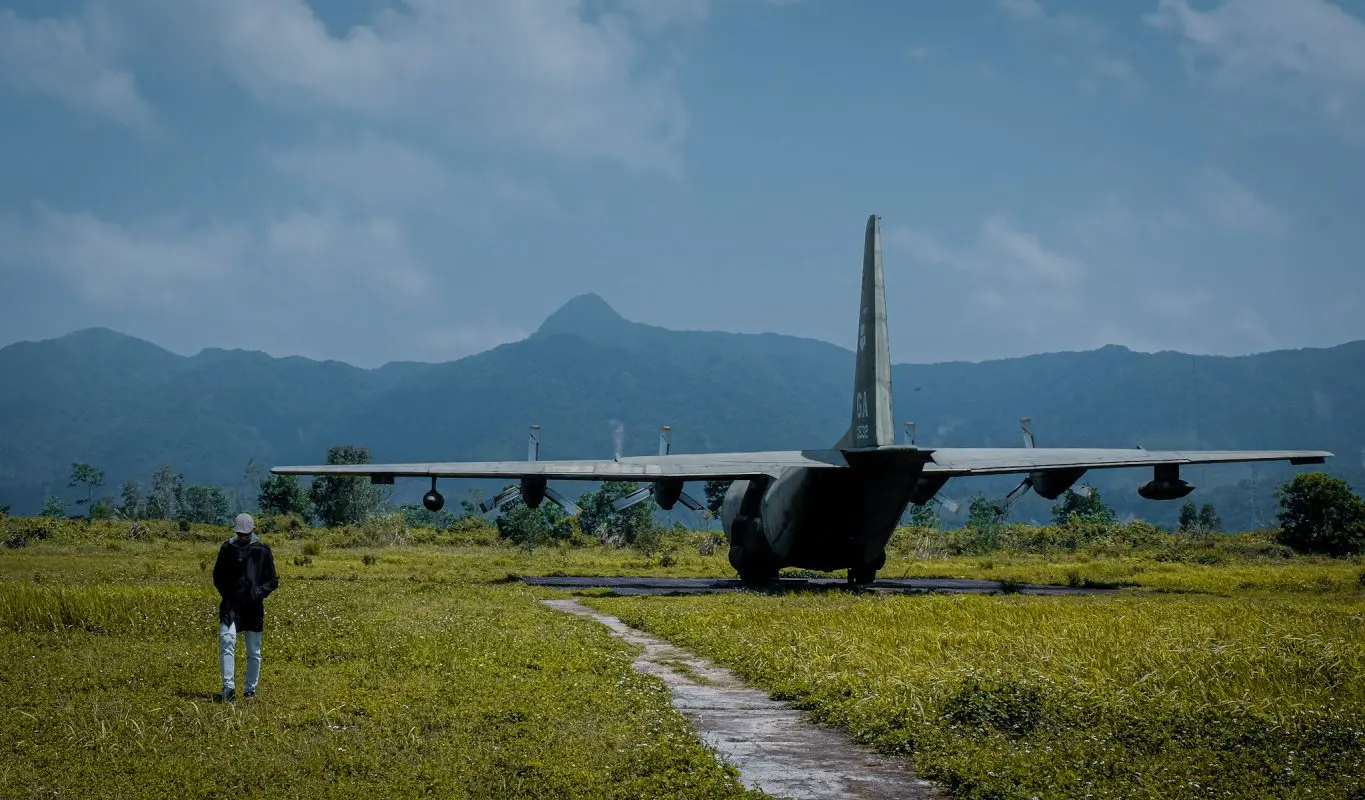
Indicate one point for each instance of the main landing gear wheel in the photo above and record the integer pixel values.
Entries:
(861, 576)
(865, 574)
(750, 556)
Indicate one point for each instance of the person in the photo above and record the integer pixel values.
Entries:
(244, 576)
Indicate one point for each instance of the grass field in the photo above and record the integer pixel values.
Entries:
(1221, 681)
(410, 676)
(407, 671)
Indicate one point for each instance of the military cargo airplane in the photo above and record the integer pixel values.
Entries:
(832, 508)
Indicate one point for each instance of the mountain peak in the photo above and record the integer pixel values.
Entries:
(586, 315)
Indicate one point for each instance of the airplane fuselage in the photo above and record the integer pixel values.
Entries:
(817, 519)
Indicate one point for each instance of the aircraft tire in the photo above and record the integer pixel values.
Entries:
(862, 576)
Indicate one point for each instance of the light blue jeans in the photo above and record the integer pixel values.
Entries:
(227, 656)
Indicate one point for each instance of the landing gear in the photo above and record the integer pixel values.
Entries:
(750, 554)
(865, 574)
(861, 576)
(433, 501)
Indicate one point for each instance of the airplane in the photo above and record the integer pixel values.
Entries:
(828, 508)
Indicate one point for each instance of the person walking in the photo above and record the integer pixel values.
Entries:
(244, 576)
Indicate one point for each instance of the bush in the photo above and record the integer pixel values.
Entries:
(1320, 514)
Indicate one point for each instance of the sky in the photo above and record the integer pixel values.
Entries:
(374, 181)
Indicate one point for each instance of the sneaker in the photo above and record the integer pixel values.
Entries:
(225, 696)
(249, 693)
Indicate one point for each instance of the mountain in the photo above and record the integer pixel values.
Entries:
(590, 377)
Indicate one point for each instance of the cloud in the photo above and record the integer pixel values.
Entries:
(1233, 205)
(174, 265)
(61, 58)
(1008, 269)
(1316, 46)
(158, 266)
(1079, 33)
(563, 78)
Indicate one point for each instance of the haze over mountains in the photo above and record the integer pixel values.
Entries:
(594, 380)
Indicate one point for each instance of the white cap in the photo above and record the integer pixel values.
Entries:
(243, 524)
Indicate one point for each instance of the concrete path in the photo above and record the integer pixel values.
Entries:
(774, 747)
(636, 586)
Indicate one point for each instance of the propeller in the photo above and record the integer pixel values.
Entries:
(513, 492)
(659, 490)
(1018, 492)
(945, 502)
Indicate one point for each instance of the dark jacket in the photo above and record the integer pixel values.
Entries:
(244, 577)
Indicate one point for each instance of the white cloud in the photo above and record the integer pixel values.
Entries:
(173, 265)
(1014, 278)
(1079, 33)
(1316, 46)
(1233, 205)
(157, 266)
(553, 76)
(61, 58)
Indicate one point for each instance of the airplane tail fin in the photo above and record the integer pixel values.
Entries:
(872, 421)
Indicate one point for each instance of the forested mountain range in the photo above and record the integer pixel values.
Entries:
(592, 379)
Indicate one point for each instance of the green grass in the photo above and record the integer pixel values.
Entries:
(395, 671)
(1008, 696)
(413, 675)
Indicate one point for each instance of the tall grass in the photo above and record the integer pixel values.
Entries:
(1013, 696)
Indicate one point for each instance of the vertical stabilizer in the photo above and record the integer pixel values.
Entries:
(872, 425)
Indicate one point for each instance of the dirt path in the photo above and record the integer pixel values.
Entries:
(775, 748)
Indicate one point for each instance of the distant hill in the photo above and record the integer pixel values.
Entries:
(128, 406)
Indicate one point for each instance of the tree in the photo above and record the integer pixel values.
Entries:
(1320, 514)
(4, 510)
(1189, 517)
(102, 508)
(983, 512)
(163, 502)
(345, 500)
(130, 505)
(1199, 520)
(88, 477)
(1209, 519)
(416, 515)
(207, 505)
(610, 526)
(281, 494)
(53, 506)
(531, 527)
(715, 495)
(925, 516)
(1082, 508)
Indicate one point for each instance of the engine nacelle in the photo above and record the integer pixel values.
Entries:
(1165, 490)
(926, 487)
(532, 490)
(1051, 483)
(666, 493)
(1165, 484)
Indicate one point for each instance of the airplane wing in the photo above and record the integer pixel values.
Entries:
(954, 461)
(950, 461)
(687, 467)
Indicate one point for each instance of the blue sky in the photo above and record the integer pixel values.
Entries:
(371, 180)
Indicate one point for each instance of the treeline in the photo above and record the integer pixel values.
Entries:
(1318, 513)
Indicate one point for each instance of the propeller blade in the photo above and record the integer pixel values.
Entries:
(1014, 496)
(1084, 490)
(948, 503)
(691, 502)
(637, 496)
(1024, 422)
(501, 497)
(570, 507)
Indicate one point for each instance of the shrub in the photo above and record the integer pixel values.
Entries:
(1320, 514)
